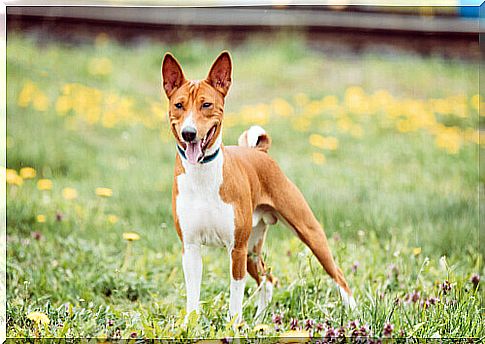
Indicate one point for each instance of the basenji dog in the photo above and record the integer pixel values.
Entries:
(228, 195)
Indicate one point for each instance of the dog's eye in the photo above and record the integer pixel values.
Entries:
(206, 105)
(178, 105)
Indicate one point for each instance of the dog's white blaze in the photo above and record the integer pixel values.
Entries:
(192, 264)
(188, 122)
(346, 298)
(236, 298)
(253, 134)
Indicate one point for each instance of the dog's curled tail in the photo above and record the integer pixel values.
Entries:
(255, 137)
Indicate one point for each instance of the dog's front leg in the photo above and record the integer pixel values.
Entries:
(238, 282)
(192, 264)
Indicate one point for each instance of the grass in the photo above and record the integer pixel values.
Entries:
(397, 197)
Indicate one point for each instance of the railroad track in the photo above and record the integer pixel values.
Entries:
(451, 36)
(259, 17)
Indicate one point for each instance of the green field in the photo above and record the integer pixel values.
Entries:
(384, 148)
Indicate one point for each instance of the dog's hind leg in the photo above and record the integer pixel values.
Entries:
(256, 267)
(294, 211)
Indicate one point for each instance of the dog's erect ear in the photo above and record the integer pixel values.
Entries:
(172, 74)
(220, 74)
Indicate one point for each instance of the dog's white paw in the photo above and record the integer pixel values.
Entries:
(347, 299)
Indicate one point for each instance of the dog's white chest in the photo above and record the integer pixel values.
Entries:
(203, 216)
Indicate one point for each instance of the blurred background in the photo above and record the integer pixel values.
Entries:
(447, 30)
(374, 113)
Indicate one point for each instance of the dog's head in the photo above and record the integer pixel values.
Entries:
(196, 108)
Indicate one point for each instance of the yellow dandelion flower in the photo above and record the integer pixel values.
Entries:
(354, 92)
(481, 109)
(41, 218)
(318, 158)
(44, 184)
(159, 110)
(313, 109)
(63, 105)
(294, 337)
(482, 140)
(355, 99)
(344, 124)
(404, 125)
(475, 101)
(230, 120)
(25, 95)
(423, 119)
(27, 172)
(442, 106)
(67, 89)
(101, 39)
(257, 114)
(10, 172)
(104, 192)
(316, 140)
(417, 251)
(329, 102)
(40, 102)
(472, 135)
(320, 141)
(131, 236)
(110, 118)
(382, 99)
(261, 327)
(449, 139)
(13, 178)
(281, 107)
(459, 105)
(38, 317)
(331, 143)
(69, 193)
(240, 325)
(100, 66)
(18, 181)
(112, 218)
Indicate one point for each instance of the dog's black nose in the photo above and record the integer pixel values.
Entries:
(189, 134)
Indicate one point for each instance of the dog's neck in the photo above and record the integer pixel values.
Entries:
(206, 169)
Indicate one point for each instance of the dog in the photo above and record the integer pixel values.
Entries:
(229, 195)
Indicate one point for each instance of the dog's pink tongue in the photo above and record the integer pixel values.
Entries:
(194, 151)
